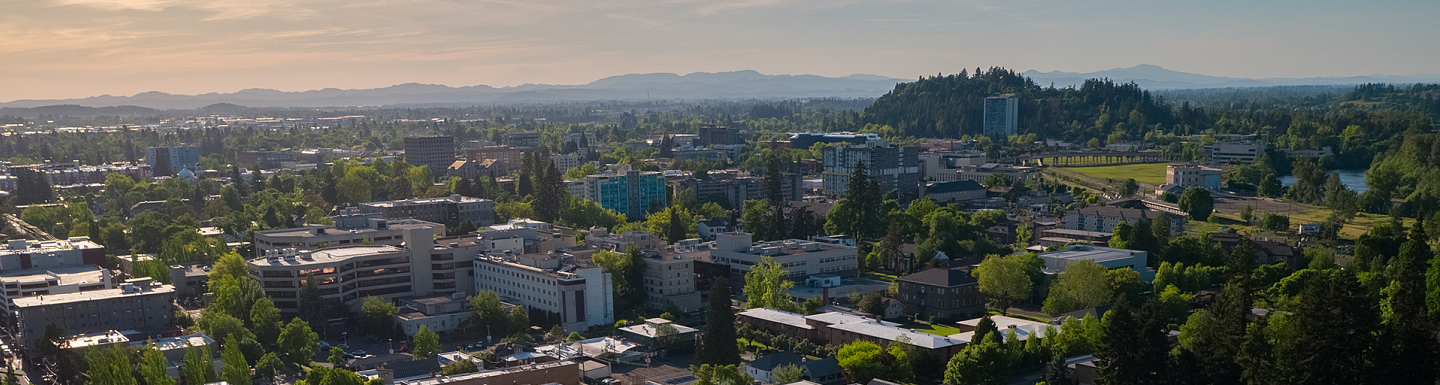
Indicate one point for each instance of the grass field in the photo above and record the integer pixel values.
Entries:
(1153, 173)
(939, 330)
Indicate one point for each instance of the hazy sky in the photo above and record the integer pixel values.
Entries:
(78, 48)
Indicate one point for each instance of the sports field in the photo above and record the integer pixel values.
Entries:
(1153, 173)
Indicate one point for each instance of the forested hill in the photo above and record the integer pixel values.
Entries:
(1425, 97)
(949, 106)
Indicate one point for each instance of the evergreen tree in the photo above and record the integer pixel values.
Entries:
(153, 365)
(1219, 344)
(677, 228)
(550, 193)
(1412, 351)
(772, 182)
(717, 344)
(109, 365)
(1257, 356)
(1334, 340)
(197, 367)
(1118, 354)
(233, 367)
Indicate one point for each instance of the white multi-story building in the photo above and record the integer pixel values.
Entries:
(1001, 116)
(799, 257)
(35, 282)
(565, 162)
(566, 284)
(932, 164)
(1110, 258)
(1188, 176)
(350, 228)
(439, 313)
(1236, 149)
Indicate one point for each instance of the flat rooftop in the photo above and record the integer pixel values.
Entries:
(1092, 253)
(425, 201)
(178, 342)
(390, 224)
(324, 256)
(93, 295)
(33, 247)
(66, 276)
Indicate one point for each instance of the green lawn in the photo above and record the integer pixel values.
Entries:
(939, 330)
(1153, 173)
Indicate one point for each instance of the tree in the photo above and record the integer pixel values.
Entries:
(377, 316)
(1119, 350)
(1198, 203)
(1129, 188)
(1275, 222)
(717, 344)
(574, 336)
(153, 365)
(519, 320)
(489, 310)
(297, 342)
(197, 367)
(427, 343)
(864, 361)
(551, 192)
(766, 286)
(109, 365)
(983, 363)
(1247, 214)
(337, 357)
(233, 368)
(265, 321)
(1409, 328)
(666, 336)
(1004, 280)
(785, 374)
(459, 367)
(1270, 186)
(269, 365)
(1083, 284)
(716, 374)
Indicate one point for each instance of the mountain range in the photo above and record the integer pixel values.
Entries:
(1154, 77)
(699, 85)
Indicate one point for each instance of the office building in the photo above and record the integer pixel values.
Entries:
(76, 174)
(799, 257)
(351, 228)
(629, 192)
(20, 254)
(565, 162)
(452, 210)
(840, 328)
(584, 142)
(893, 168)
(558, 282)
(167, 161)
(438, 152)
(138, 304)
(521, 139)
(1192, 176)
(942, 293)
(979, 173)
(34, 282)
(440, 313)
(645, 333)
(805, 140)
(1235, 149)
(712, 135)
(1110, 258)
(1001, 116)
(933, 164)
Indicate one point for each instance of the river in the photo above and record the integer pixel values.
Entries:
(1353, 179)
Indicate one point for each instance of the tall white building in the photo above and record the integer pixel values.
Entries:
(566, 284)
(1001, 116)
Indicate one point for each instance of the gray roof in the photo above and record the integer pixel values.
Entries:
(956, 186)
(770, 361)
(822, 367)
(941, 277)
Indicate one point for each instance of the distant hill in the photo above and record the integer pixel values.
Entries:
(76, 110)
(699, 85)
(1153, 77)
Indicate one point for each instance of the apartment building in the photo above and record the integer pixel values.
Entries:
(21, 254)
(1001, 116)
(799, 257)
(565, 162)
(979, 173)
(438, 152)
(74, 173)
(454, 210)
(36, 282)
(559, 282)
(507, 158)
(629, 192)
(168, 161)
(138, 304)
(1104, 219)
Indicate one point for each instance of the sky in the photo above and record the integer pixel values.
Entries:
(78, 48)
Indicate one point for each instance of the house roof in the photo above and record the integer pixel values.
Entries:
(777, 316)
(1114, 212)
(823, 367)
(941, 277)
(878, 381)
(770, 361)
